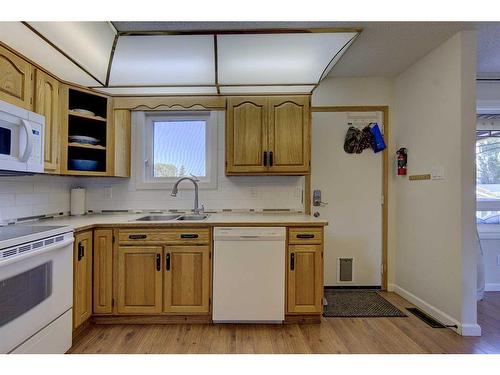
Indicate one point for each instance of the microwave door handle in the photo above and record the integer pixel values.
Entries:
(29, 140)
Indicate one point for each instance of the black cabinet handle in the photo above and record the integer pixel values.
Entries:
(270, 158)
(305, 235)
(167, 261)
(137, 236)
(292, 261)
(158, 262)
(189, 235)
(265, 158)
(81, 251)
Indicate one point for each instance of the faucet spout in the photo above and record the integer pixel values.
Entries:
(175, 189)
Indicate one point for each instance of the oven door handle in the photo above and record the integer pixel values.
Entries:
(29, 141)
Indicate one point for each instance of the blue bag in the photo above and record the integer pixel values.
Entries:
(378, 143)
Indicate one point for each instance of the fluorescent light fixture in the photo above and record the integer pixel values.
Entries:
(164, 60)
(277, 58)
(208, 90)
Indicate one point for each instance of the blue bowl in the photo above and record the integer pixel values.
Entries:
(83, 165)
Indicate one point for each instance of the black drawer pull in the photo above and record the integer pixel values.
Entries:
(158, 262)
(265, 158)
(167, 261)
(292, 261)
(137, 236)
(305, 235)
(189, 235)
(271, 162)
(81, 251)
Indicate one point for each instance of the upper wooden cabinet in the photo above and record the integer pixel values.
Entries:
(47, 104)
(121, 119)
(15, 79)
(268, 135)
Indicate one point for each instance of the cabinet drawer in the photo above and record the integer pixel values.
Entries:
(305, 235)
(165, 236)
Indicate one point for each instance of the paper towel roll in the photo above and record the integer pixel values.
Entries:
(77, 201)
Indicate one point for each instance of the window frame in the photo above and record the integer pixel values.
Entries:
(145, 156)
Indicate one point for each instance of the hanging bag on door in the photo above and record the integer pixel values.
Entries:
(351, 141)
(378, 143)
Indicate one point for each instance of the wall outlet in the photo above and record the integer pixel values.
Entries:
(108, 192)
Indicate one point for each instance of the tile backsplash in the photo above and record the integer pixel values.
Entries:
(24, 196)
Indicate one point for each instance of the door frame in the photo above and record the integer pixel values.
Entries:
(385, 173)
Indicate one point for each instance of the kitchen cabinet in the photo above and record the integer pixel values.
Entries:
(268, 135)
(82, 278)
(187, 279)
(246, 135)
(15, 79)
(103, 271)
(305, 279)
(121, 119)
(47, 104)
(139, 279)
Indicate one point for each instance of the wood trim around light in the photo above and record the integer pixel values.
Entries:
(385, 174)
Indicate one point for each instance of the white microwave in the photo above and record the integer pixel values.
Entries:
(21, 140)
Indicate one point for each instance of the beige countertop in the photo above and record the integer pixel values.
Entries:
(215, 219)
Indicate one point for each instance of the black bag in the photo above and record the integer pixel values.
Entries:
(351, 140)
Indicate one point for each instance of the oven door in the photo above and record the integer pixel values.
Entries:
(34, 291)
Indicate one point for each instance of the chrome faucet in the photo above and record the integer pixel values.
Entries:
(197, 210)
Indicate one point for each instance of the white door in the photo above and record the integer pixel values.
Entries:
(351, 184)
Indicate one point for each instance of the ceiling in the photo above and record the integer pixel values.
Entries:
(243, 57)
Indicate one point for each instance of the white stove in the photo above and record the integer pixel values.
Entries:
(36, 267)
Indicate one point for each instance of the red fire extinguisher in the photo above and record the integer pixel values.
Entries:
(402, 157)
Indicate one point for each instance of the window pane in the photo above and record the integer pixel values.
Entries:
(487, 217)
(488, 167)
(179, 148)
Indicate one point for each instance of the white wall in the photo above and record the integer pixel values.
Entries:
(434, 117)
(360, 91)
(239, 192)
(24, 196)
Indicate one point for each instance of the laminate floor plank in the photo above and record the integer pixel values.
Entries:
(332, 335)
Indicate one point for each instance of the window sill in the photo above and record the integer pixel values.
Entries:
(488, 231)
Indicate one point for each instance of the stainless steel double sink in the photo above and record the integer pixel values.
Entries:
(173, 217)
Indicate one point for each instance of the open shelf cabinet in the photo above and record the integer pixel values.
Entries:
(80, 158)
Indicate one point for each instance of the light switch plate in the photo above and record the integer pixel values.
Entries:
(437, 172)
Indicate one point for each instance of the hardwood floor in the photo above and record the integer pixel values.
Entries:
(333, 335)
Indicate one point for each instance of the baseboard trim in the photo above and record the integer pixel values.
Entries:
(375, 287)
(437, 314)
(492, 287)
(471, 330)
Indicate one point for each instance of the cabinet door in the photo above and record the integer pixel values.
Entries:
(82, 278)
(139, 279)
(289, 134)
(15, 79)
(187, 279)
(305, 279)
(47, 104)
(246, 135)
(121, 120)
(103, 271)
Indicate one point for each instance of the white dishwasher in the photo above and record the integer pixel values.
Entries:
(249, 275)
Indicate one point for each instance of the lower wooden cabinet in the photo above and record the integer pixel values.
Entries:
(305, 279)
(187, 279)
(103, 271)
(139, 279)
(82, 278)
